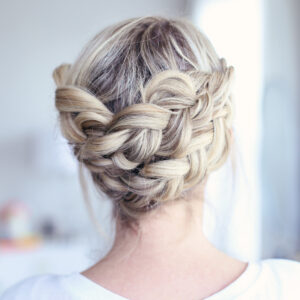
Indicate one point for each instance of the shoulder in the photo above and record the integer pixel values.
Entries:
(283, 268)
(41, 287)
(283, 276)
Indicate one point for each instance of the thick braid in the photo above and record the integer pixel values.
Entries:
(149, 152)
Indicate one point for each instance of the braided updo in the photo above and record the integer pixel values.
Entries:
(147, 109)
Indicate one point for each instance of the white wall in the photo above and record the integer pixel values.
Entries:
(281, 109)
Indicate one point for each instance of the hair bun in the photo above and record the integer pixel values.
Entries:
(147, 121)
(154, 149)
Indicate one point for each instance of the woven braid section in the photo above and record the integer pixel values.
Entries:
(151, 151)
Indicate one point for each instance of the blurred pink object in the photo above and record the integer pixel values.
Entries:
(14, 218)
(15, 227)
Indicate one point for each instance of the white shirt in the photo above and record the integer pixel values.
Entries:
(268, 279)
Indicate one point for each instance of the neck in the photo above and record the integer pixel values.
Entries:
(177, 226)
(170, 249)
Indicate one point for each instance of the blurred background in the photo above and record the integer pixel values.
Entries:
(252, 214)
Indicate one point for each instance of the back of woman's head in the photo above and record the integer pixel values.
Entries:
(147, 109)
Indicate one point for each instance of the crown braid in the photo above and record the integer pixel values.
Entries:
(147, 109)
(151, 151)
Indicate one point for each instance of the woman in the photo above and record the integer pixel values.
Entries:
(148, 111)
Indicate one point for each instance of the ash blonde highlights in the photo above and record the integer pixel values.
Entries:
(147, 109)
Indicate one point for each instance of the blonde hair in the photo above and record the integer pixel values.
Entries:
(147, 109)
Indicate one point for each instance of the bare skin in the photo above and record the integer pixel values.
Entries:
(172, 260)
